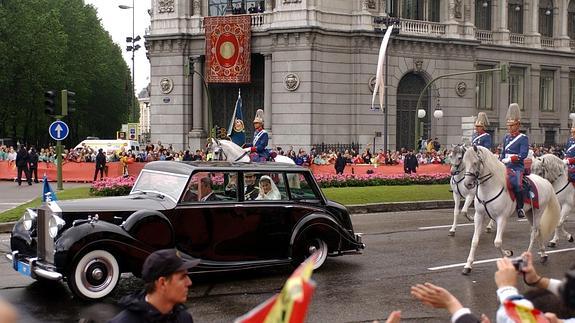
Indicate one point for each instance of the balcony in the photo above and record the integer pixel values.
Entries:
(572, 44)
(485, 36)
(260, 22)
(547, 42)
(418, 27)
(517, 39)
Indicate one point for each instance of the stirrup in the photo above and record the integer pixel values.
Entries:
(520, 214)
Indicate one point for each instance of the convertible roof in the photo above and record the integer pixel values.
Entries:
(188, 167)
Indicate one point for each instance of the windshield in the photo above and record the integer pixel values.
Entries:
(168, 184)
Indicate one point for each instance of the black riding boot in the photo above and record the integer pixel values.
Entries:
(519, 207)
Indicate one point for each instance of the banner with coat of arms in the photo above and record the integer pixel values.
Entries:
(228, 49)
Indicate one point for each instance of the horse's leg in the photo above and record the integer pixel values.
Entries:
(457, 201)
(478, 221)
(565, 210)
(498, 242)
(490, 226)
(468, 199)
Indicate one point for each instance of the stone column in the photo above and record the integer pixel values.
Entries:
(501, 33)
(268, 93)
(531, 23)
(562, 103)
(532, 103)
(268, 6)
(197, 133)
(451, 24)
(560, 26)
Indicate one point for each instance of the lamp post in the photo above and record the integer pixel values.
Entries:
(132, 48)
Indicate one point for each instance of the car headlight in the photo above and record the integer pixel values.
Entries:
(54, 225)
(28, 219)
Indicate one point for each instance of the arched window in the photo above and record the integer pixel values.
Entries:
(515, 16)
(483, 14)
(571, 19)
(412, 9)
(546, 18)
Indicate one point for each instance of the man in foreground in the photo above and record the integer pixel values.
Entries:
(167, 282)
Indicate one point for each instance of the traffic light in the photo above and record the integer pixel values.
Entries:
(50, 102)
(504, 73)
(68, 102)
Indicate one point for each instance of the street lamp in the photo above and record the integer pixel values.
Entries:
(132, 48)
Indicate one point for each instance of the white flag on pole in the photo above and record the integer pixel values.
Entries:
(379, 77)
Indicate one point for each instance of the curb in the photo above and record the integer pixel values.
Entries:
(353, 209)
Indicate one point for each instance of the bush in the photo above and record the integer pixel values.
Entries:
(354, 180)
(112, 186)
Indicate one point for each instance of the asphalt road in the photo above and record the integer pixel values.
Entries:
(402, 249)
(12, 195)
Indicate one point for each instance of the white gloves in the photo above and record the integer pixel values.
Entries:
(506, 160)
(247, 149)
(566, 161)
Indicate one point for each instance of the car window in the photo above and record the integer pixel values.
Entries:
(161, 182)
(264, 186)
(210, 187)
(300, 188)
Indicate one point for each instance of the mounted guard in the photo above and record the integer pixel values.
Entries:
(258, 147)
(569, 156)
(480, 136)
(515, 150)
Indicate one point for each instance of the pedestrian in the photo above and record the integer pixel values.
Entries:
(100, 164)
(22, 159)
(33, 163)
(339, 163)
(166, 279)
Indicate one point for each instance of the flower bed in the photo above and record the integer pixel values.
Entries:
(354, 180)
(112, 186)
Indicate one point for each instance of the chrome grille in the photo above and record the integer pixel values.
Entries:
(45, 250)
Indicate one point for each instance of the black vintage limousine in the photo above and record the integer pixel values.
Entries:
(214, 211)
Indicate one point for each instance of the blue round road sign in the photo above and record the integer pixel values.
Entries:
(58, 130)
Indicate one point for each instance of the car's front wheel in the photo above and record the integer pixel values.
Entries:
(308, 247)
(94, 275)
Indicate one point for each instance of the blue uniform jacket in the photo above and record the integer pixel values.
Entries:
(570, 148)
(481, 139)
(260, 142)
(515, 146)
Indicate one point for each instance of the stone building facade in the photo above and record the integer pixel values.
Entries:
(314, 63)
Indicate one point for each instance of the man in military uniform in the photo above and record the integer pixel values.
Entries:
(251, 189)
(480, 136)
(515, 150)
(569, 157)
(258, 147)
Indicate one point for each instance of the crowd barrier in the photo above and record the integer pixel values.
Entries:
(71, 171)
(84, 172)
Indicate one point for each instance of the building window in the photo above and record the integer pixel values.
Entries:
(412, 9)
(515, 16)
(546, 91)
(218, 7)
(483, 14)
(572, 92)
(484, 91)
(571, 20)
(516, 86)
(546, 18)
(549, 137)
(433, 10)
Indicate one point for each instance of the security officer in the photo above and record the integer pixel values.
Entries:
(480, 136)
(260, 142)
(515, 150)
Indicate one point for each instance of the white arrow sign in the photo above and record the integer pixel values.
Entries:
(58, 130)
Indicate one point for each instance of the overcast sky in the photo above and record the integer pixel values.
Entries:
(118, 22)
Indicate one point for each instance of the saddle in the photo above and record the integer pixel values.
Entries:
(529, 192)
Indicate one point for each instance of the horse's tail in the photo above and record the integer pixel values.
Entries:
(550, 218)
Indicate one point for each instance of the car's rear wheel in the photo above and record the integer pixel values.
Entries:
(94, 275)
(307, 248)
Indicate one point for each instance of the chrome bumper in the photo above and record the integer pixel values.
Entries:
(36, 269)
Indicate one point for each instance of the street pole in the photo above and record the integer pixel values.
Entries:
(59, 161)
(132, 109)
(386, 107)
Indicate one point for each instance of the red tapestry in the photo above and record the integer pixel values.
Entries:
(228, 49)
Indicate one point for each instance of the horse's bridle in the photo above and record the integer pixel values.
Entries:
(480, 180)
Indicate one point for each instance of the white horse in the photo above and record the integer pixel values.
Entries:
(552, 169)
(459, 190)
(227, 150)
(492, 199)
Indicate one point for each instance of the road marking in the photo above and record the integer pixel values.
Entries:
(449, 225)
(489, 260)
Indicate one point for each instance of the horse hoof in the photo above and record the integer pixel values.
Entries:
(570, 239)
(466, 271)
(551, 244)
(467, 216)
(488, 230)
(451, 233)
(508, 253)
(544, 259)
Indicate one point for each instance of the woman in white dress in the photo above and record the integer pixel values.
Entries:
(268, 189)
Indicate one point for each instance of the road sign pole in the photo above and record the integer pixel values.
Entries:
(59, 161)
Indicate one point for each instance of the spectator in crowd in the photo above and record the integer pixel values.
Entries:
(167, 282)
(11, 156)
(340, 164)
(8, 313)
(366, 156)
